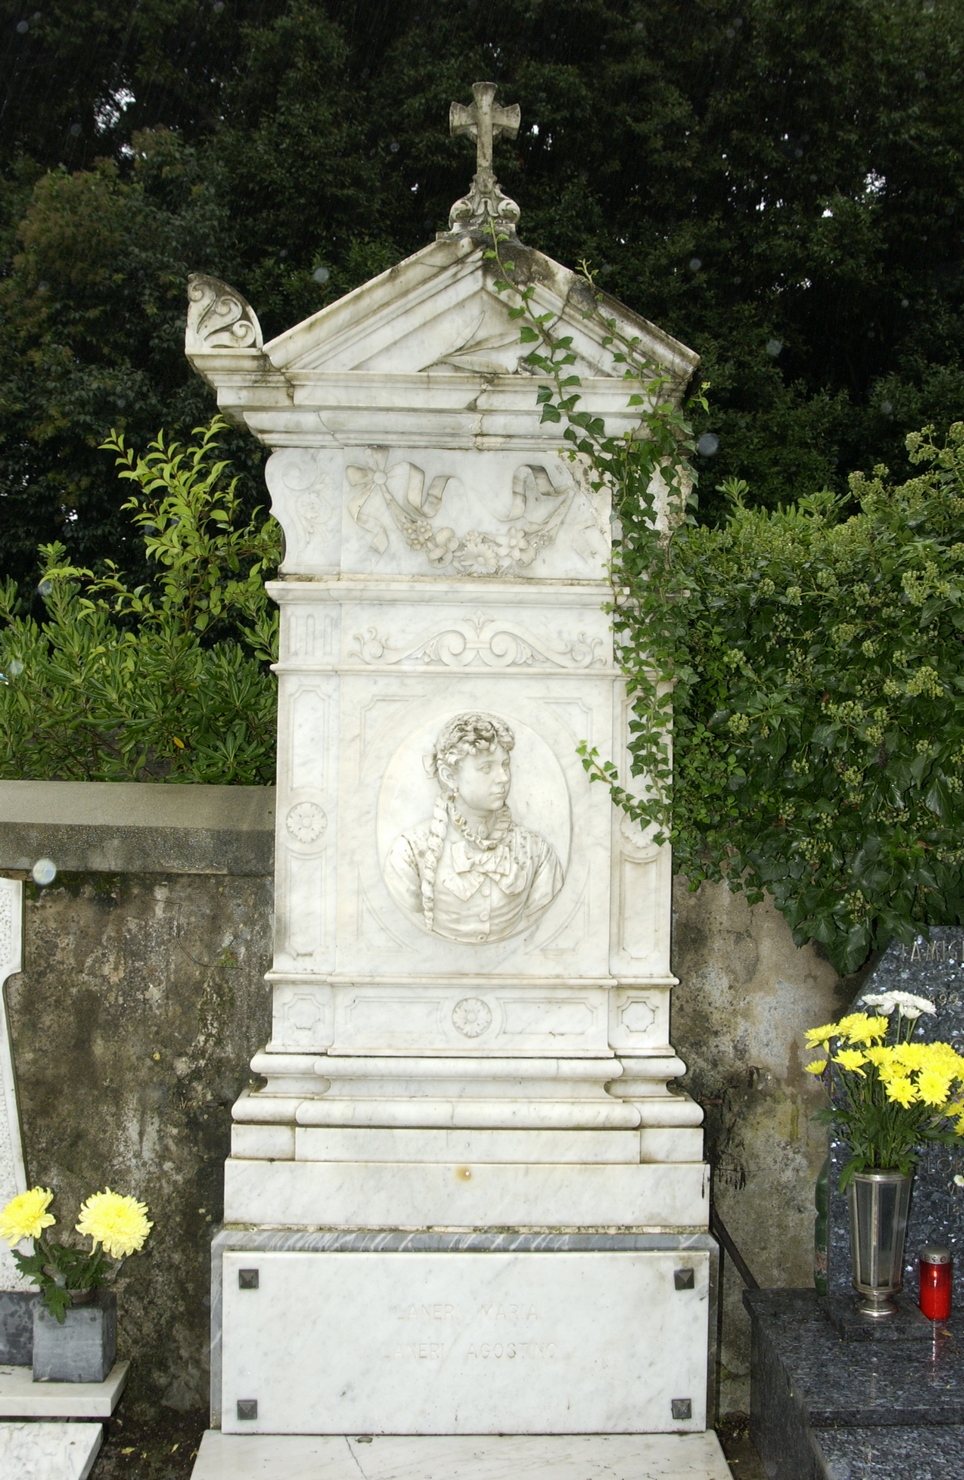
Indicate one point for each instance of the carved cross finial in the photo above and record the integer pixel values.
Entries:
(485, 121)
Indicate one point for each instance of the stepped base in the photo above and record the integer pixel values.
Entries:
(534, 1457)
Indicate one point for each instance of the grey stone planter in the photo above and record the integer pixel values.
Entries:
(16, 1327)
(83, 1349)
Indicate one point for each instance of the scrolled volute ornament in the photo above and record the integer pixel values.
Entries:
(218, 318)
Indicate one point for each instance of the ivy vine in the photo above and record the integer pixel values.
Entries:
(806, 661)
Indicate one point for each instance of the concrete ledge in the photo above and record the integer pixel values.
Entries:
(137, 827)
(21, 1397)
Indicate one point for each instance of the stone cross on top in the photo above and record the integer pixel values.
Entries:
(485, 121)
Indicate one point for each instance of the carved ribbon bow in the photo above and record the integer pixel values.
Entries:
(403, 487)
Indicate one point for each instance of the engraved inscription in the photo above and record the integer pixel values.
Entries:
(422, 1351)
(438, 1311)
(951, 950)
(544, 1350)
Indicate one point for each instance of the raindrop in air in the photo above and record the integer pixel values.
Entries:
(23, 26)
(218, 6)
(45, 587)
(708, 444)
(44, 871)
(886, 407)
(774, 347)
(695, 264)
(321, 274)
(905, 303)
(74, 130)
(394, 146)
(15, 668)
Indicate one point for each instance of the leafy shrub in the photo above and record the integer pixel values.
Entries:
(165, 681)
(819, 721)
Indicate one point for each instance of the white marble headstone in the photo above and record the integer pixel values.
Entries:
(12, 1175)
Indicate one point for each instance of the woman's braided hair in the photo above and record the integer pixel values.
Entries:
(465, 734)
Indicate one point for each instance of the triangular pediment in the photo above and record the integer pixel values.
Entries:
(440, 313)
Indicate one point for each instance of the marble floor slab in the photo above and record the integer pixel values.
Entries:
(507, 1457)
(48, 1451)
(21, 1397)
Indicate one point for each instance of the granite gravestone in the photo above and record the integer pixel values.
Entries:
(466, 1195)
(16, 1299)
(933, 967)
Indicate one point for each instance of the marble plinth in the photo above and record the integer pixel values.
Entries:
(543, 1457)
(48, 1451)
(506, 1329)
(21, 1397)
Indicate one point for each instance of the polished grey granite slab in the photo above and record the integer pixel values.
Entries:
(853, 1383)
(823, 1407)
(891, 1454)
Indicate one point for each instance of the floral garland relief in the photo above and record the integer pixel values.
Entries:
(413, 506)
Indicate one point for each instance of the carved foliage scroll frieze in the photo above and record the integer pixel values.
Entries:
(479, 641)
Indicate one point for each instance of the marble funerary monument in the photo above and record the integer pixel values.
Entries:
(466, 1200)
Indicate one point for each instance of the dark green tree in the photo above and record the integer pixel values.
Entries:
(776, 182)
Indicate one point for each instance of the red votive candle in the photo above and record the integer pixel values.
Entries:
(936, 1266)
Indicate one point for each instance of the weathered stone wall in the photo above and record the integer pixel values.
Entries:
(142, 1001)
(140, 1005)
(746, 995)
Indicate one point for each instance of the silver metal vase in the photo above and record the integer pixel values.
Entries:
(879, 1205)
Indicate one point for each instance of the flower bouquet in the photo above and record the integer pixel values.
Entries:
(889, 1096)
(117, 1226)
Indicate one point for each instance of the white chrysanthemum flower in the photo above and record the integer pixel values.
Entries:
(904, 1003)
(881, 1000)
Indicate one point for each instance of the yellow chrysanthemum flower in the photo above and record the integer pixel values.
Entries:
(860, 1027)
(946, 1059)
(851, 1059)
(815, 1036)
(817, 1067)
(900, 1091)
(26, 1216)
(881, 1054)
(119, 1223)
(933, 1087)
(912, 1055)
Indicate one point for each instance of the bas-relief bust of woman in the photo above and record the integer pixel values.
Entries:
(471, 874)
